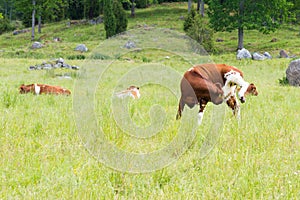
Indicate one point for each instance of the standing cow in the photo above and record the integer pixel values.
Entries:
(213, 83)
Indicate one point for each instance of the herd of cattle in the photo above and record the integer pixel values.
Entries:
(216, 83)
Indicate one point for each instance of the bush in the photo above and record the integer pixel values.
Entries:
(189, 21)
(5, 26)
(141, 3)
(126, 4)
(198, 29)
(284, 81)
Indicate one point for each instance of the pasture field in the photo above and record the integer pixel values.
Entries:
(43, 155)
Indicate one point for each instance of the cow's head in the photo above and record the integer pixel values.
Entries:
(135, 91)
(26, 88)
(246, 90)
(251, 90)
(217, 94)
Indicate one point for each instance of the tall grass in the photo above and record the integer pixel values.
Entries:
(43, 157)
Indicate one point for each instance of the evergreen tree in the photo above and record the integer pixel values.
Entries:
(109, 18)
(120, 16)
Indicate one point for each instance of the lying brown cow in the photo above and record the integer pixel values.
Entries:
(43, 89)
(213, 83)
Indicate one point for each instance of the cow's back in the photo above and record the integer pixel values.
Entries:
(211, 72)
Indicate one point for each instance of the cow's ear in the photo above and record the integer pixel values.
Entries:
(218, 85)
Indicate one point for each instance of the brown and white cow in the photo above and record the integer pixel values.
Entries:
(214, 83)
(132, 91)
(43, 89)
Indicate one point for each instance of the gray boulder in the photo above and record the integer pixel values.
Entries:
(267, 55)
(293, 73)
(258, 56)
(36, 45)
(130, 45)
(283, 54)
(243, 54)
(81, 47)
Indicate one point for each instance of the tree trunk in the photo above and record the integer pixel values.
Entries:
(241, 27)
(40, 24)
(189, 5)
(132, 8)
(33, 20)
(241, 38)
(202, 8)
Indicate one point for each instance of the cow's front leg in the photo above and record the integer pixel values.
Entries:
(180, 108)
(202, 104)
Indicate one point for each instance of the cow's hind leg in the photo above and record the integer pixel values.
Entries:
(234, 105)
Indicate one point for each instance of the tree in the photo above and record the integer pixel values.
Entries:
(200, 7)
(33, 20)
(132, 8)
(241, 15)
(120, 16)
(190, 5)
(109, 18)
(91, 8)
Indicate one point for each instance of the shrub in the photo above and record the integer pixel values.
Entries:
(5, 25)
(284, 81)
(198, 29)
(76, 57)
(188, 22)
(141, 3)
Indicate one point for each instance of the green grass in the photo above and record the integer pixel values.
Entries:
(43, 156)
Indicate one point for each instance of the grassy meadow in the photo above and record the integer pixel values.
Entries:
(43, 155)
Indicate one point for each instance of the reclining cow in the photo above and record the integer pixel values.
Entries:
(213, 83)
(132, 91)
(43, 89)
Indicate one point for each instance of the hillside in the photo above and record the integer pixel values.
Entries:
(160, 16)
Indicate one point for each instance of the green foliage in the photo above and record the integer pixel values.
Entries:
(5, 25)
(189, 21)
(91, 8)
(110, 23)
(120, 16)
(76, 57)
(141, 3)
(198, 29)
(264, 16)
(284, 81)
(99, 56)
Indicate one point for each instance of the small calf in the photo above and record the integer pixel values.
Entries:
(132, 91)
